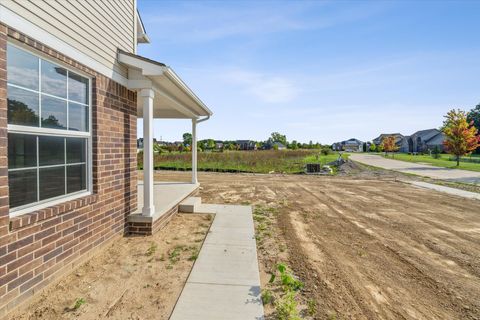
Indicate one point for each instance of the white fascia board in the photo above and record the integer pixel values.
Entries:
(21, 24)
(183, 86)
(148, 68)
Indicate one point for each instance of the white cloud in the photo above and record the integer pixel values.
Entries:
(267, 88)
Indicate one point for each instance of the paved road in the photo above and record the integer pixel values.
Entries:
(455, 175)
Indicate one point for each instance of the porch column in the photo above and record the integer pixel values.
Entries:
(148, 206)
(194, 151)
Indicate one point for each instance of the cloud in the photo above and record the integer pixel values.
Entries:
(267, 88)
(213, 21)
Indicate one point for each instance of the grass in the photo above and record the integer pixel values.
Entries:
(443, 161)
(265, 161)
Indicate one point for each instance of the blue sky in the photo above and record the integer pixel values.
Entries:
(321, 70)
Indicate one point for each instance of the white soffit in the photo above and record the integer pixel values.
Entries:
(173, 98)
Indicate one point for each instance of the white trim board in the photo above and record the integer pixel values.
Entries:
(19, 23)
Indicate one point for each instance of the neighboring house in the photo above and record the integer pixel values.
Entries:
(246, 145)
(279, 146)
(71, 90)
(425, 140)
(350, 145)
(400, 140)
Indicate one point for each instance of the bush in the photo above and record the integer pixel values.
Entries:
(325, 151)
(436, 152)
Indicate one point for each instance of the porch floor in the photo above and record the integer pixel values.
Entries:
(166, 196)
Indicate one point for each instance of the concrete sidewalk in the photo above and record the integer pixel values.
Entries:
(225, 281)
(425, 170)
(453, 191)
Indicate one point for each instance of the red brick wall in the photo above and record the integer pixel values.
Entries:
(36, 248)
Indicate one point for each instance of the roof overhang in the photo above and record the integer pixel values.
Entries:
(173, 98)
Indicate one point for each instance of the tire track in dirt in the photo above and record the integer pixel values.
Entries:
(431, 290)
(463, 254)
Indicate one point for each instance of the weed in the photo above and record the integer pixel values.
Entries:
(332, 316)
(311, 307)
(174, 255)
(287, 279)
(267, 296)
(169, 267)
(151, 250)
(286, 307)
(193, 257)
(78, 303)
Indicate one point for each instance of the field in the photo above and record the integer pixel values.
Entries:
(265, 161)
(443, 161)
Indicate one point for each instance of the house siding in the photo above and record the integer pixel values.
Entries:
(37, 248)
(96, 28)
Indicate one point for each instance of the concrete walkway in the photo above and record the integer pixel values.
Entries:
(425, 170)
(225, 281)
(436, 187)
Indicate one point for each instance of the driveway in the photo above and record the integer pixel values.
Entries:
(426, 170)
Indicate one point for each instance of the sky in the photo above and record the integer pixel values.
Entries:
(324, 71)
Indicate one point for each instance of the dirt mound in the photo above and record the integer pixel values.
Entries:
(349, 167)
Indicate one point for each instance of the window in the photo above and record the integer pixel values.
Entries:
(48, 131)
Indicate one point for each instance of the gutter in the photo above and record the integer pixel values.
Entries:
(203, 119)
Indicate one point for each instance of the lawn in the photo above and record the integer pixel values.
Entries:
(443, 161)
(265, 161)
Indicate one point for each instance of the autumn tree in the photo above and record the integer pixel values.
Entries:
(474, 115)
(389, 145)
(461, 137)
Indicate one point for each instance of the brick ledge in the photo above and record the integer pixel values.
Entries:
(55, 210)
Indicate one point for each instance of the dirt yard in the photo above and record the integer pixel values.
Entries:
(365, 245)
(134, 278)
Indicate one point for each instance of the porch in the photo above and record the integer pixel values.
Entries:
(161, 94)
(166, 198)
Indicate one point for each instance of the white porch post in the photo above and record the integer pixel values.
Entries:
(194, 151)
(148, 206)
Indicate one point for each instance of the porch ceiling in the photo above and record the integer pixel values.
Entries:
(173, 98)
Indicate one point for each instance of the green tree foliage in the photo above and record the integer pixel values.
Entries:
(278, 137)
(187, 139)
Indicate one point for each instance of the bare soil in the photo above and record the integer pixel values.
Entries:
(134, 278)
(366, 245)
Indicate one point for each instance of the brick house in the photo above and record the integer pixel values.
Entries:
(70, 97)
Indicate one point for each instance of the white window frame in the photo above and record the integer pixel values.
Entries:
(19, 129)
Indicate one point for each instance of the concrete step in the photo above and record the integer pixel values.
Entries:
(190, 205)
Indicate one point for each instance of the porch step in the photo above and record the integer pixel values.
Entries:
(190, 205)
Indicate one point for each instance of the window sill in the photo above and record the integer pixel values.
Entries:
(27, 219)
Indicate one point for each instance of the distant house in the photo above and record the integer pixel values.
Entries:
(425, 140)
(279, 146)
(400, 140)
(218, 144)
(350, 145)
(246, 144)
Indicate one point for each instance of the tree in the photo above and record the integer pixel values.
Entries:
(461, 137)
(277, 137)
(474, 115)
(389, 145)
(187, 139)
(373, 147)
(293, 145)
